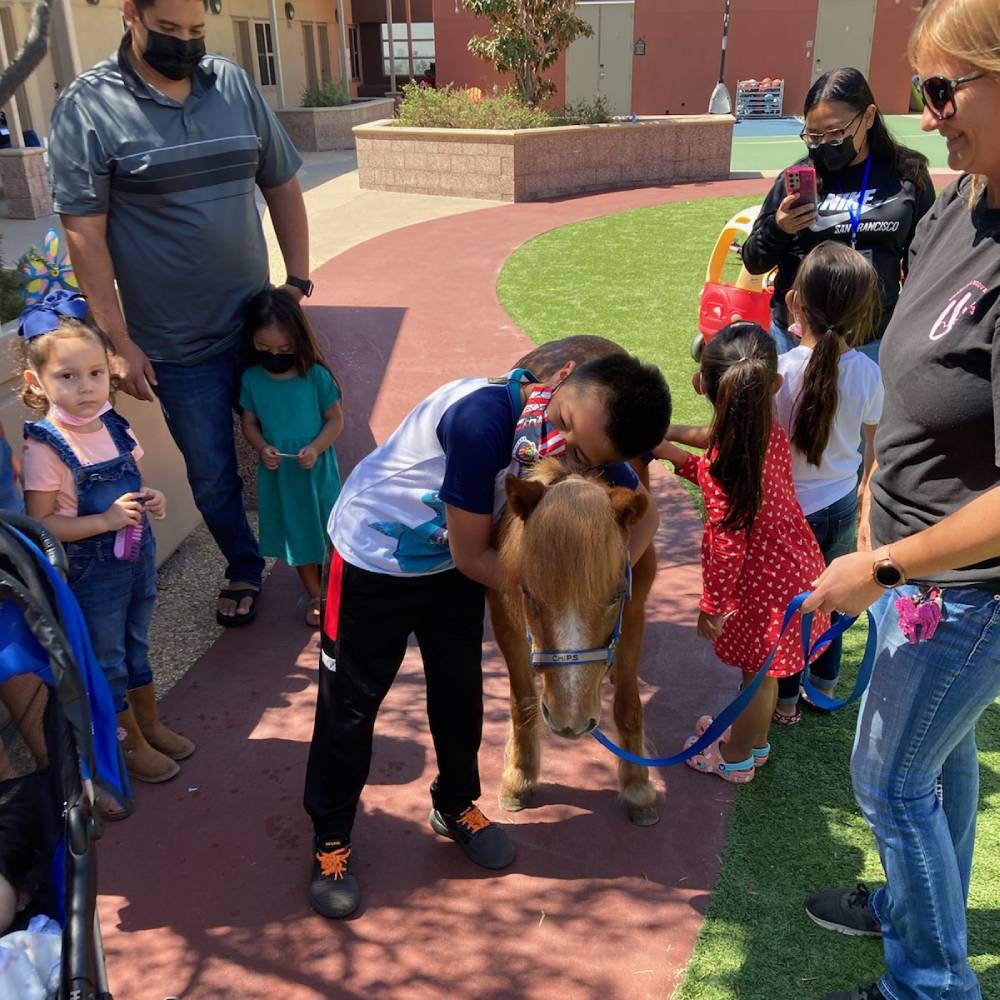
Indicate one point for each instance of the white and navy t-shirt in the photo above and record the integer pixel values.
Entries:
(453, 448)
(859, 401)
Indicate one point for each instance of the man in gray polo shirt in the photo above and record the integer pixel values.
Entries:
(155, 155)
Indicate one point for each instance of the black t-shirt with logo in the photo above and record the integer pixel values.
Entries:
(889, 215)
(938, 445)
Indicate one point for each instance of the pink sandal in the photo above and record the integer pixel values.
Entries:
(761, 755)
(711, 761)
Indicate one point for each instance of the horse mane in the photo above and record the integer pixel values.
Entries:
(570, 549)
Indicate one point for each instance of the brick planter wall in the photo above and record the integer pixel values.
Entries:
(316, 129)
(533, 164)
(25, 181)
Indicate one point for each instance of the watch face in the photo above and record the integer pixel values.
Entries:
(887, 574)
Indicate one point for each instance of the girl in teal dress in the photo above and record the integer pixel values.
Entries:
(292, 414)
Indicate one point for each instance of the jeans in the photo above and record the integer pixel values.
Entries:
(916, 778)
(782, 338)
(117, 599)
(836, 531)
(375, 615)
(198, 402)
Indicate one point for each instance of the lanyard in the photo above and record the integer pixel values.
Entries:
(855, 207)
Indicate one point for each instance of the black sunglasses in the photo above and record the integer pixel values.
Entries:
(939, 92)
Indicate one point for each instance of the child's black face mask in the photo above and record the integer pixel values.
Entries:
(276, 364)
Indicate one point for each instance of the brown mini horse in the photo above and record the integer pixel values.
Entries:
(563, 543)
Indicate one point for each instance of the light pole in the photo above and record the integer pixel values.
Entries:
(720, 103)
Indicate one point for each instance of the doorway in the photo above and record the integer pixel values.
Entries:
(602, 64)
(844, 30)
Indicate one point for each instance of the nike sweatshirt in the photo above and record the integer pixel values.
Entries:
(890, 211)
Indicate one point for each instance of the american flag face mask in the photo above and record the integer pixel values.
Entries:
(534, 435)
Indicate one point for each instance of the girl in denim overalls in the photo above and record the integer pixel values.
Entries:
(81, 480)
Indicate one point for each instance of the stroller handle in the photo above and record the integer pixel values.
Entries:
(41, 536)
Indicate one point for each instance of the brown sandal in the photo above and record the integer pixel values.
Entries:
(313, 612)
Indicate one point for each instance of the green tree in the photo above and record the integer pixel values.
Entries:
(526, 38)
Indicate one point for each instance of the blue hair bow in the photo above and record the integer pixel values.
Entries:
(44, 316)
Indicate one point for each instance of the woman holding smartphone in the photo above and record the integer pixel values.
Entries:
(871, 193)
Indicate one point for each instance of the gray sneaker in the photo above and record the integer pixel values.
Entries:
(333, 888)
(845, 911)
(484, 842)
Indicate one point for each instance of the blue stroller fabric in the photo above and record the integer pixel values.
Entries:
(22, 653)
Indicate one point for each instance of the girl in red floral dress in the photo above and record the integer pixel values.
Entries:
(758, 550)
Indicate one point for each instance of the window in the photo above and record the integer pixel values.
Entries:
(309, 48)
(354, 44)
(422, 38)
(266, 75)
(323, 44)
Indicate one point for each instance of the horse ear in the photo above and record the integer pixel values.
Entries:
(628, 505)
(523, 495)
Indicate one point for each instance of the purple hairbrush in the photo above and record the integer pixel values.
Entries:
(127, 542)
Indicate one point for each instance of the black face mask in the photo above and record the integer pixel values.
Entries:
(276, 364)
(829, 157)
(174, 58)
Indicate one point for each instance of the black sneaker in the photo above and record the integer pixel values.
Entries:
(485, 843)
(861, 993)
(845, 911)
(333, 889)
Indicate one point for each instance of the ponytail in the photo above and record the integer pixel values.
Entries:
(837, 296)
(738, 368)
(816, 403)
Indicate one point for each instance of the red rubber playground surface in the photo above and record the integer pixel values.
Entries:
(203, 890)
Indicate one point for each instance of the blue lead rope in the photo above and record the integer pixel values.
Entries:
(729, 714)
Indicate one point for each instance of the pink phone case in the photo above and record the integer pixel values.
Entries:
(801, 182)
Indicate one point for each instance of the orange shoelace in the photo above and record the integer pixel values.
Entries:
(334, 863)
(473, 820)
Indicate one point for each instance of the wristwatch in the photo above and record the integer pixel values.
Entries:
(304, 285)
(888, 573)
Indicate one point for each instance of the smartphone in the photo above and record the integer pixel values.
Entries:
(801, 182)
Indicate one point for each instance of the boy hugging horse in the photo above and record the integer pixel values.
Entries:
(414, 553)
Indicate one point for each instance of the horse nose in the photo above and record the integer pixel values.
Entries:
(568, 731)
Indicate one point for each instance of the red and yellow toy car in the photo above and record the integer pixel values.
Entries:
(721, 302)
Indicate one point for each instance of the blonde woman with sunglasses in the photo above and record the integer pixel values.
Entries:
(935, 527)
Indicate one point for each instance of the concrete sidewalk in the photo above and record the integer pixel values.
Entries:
(340, 214)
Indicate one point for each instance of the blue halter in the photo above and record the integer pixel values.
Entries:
(541, 658)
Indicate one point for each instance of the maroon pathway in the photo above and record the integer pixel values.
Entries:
(203, 890)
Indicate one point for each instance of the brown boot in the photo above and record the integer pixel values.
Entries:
(158, 736)
(143, 762)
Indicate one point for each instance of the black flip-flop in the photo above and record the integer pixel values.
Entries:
(235, 620)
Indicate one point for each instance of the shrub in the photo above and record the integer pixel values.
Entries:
(11, 293)
(330, 94)
(595, 112)
(447, 107)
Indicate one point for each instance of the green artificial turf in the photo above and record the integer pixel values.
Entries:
(635, 277)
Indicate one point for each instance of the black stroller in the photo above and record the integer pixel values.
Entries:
(48, 823)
